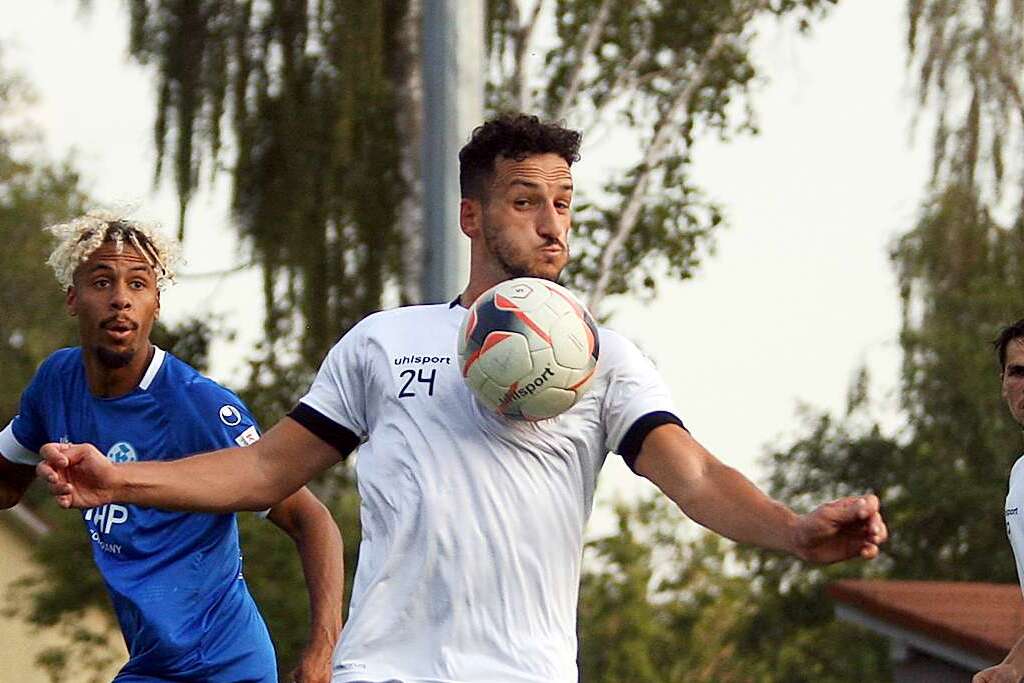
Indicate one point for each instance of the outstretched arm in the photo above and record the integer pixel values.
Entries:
(1010, 670)
(723, 500)
(255, 477)
(14, 481)
(319, 543)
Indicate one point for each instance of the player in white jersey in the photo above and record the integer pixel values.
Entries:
(1010, 349)
(473, 524)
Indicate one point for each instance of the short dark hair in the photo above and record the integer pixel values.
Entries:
(1007, 335)
(514, 136)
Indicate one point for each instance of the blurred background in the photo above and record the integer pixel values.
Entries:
(808, 213)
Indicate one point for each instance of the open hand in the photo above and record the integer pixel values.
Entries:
(841, 530)
(78, 475)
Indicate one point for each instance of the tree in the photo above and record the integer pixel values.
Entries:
(33, 193)
(942, 475)
(307, 92)
(960, 276)
(969, 57)
(667, 72)
(662, 601)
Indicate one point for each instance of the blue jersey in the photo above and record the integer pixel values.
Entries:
(175, 577)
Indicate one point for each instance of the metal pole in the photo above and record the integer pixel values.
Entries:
(453, 67)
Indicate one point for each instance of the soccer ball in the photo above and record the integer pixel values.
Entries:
(528, 349)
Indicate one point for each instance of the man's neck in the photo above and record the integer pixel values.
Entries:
(106, 382)
(480, 283)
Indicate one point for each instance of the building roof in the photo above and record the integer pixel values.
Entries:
(985, 619)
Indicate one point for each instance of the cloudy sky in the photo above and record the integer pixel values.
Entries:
(798, 294)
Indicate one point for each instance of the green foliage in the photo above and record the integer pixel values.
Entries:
(307, 91)
(969, 57)
(661, 603)
(274, 572)
(34, 193)
(942, 477)
(664, 73)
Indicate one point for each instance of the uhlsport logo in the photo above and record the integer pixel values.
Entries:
(516, 392)
(229, 415)
(122, 451)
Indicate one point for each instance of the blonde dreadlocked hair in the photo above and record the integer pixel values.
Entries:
(79, 238)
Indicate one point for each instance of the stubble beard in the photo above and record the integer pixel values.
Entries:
(505, 254)
(114, 360)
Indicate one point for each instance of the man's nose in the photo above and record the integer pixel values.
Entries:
(119, 297)
(548, 223)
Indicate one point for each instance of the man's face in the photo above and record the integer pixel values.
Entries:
(526, 216)
(116, 301)
(1013, 379)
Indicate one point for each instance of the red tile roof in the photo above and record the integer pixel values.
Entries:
(983, 618)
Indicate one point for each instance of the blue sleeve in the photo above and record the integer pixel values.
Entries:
(25, 435)
(213, 418)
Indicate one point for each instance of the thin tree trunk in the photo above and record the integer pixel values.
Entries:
(409, 124)
(594, 34)
(523, 37)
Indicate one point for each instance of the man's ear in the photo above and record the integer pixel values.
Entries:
(71, 301)
(471, 217)
(156, 313)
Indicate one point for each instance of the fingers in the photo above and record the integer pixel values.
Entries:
(45, 472)
(63, 455)
(59, 487)
(58, 459)
(878, 532)
(869, 551)
(54, 454)
(865, 510)
(853, 508)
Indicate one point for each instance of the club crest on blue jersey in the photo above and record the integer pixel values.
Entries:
(122, 451)
(230, 415)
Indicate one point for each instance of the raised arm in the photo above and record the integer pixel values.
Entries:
(723, 500)
(318, 541)
(14, 481)
(255, 477)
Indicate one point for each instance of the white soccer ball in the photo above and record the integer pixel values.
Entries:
(528, 348)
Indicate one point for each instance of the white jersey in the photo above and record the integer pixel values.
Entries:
(1014, 511)
(472, 523)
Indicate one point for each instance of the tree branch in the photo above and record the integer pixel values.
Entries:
(576, 78)
(522, 36)
(654, 154)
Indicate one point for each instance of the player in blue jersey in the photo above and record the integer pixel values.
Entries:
(175, 578)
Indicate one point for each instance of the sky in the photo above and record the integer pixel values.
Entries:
(798, 294)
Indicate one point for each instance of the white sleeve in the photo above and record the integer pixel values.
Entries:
(1014, 514)
(635, 389)
(12, 450)
(339, 389)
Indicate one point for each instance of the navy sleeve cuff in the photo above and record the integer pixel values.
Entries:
(631, 443)
(342, 439)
